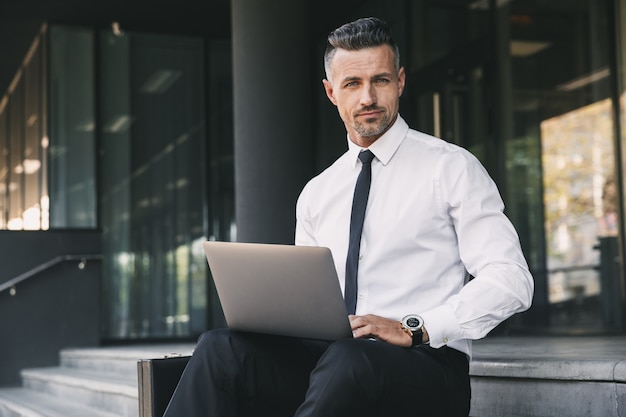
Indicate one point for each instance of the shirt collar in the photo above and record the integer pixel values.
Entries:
(385, 146)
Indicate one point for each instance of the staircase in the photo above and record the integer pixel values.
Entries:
(93, 382)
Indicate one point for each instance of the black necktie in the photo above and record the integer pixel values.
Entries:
(361, 192)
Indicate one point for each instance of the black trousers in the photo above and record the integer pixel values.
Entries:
(238, 374)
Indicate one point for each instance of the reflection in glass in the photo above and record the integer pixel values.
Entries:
(72, 155)
(153, 193)
(579, 199)
(23, 144)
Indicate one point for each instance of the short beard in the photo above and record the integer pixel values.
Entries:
(375, 128)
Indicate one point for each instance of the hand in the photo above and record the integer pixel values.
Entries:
(381, 328)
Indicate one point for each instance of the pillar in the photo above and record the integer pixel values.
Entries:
(272, 115)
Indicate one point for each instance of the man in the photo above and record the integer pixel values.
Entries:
(431, 216)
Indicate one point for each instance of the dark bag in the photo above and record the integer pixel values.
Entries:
(157, 380)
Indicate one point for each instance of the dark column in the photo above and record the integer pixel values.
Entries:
(272, 115)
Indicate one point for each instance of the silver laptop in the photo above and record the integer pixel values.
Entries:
(279, 289)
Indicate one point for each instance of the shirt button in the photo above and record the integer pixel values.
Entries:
(445, 340)
(360, 257)
(361, 296)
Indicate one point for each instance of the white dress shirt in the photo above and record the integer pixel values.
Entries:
(433, 215)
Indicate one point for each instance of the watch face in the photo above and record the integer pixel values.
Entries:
(413, 322)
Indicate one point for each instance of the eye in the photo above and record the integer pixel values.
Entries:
(351, 84)
(381, 80)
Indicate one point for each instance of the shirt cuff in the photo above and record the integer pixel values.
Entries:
(442, 326)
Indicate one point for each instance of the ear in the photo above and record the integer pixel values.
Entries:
(401, 81)
(328, 87)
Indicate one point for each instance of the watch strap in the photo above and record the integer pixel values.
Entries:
(417, 337)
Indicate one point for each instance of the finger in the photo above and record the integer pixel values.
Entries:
(357, 321)
(357, 331)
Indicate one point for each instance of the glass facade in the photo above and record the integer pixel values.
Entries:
(568, 116)
(132, 133)
(72, 151)
(24, 144)
(527, 87)
(153, 190)
(47, 139)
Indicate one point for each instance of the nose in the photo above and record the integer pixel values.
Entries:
(368, 95)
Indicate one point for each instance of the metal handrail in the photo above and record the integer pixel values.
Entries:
(10, 284)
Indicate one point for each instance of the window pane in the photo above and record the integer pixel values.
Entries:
(72, 128)
(153, 185)
(4, 163)
(527, 87)
(563, 119)
(23, 142)
(33, 139)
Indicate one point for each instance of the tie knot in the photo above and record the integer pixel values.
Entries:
(366, 156)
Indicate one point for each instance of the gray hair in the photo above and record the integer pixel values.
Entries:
(364, 33)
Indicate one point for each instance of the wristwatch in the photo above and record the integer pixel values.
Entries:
(413, 325)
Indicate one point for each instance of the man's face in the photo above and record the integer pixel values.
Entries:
(366, 88)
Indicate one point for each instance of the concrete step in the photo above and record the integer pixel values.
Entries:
(20, 402)
(92, 382)
(120, 360)
(102, 390)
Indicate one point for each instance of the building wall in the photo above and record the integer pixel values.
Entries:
(54, 309)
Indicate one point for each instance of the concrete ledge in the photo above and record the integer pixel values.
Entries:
(497, 397)
(540, 376)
